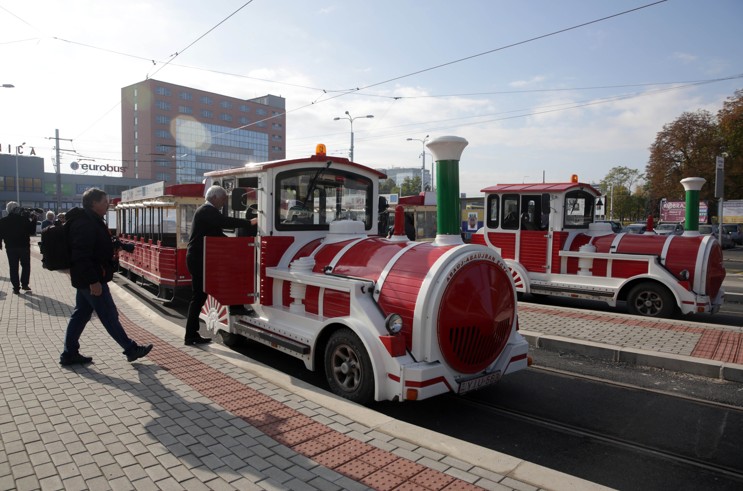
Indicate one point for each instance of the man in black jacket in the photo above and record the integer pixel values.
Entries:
(208, 221)
(92, 258)
(16, 230)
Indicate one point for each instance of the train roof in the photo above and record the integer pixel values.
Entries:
(322, 158)
(541, 187)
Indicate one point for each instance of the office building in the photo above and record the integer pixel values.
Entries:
(175, 134)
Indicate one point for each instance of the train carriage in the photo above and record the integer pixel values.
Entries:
(547, 235)
(385, 319)
(157, 220)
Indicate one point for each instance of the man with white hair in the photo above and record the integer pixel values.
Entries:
(208, 221)
(16, 230)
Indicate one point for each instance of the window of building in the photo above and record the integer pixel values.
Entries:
(162, 162)
(206, 100)
(207, 113)
(244, 120)
(185, 109)
(159, 90)
(186, 96)
(165, 106)
(225, 117)
(225, 105)
(160, 119)
(162, 176)
(261, 112)
(162, 134)
(262, 124)
(276, 126)
(244, 108)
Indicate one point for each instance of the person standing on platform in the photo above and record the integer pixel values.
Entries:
(93, 252)
(16, 229)
(49, 221)
(208, 221)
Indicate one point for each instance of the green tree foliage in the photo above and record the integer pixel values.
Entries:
(684, 148)
(622, 202)
(730, 121)
(411, 186)
(388, 186)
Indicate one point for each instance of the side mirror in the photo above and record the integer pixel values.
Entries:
(239, 199)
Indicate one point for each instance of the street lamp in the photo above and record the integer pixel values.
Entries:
(17, 189)
(423, 156)
(349, 118)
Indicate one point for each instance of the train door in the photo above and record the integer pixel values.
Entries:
(533, 233)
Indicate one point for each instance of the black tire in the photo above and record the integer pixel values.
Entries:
(651, 300)
(348, 368)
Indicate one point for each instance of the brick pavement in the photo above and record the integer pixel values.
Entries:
(187, 418)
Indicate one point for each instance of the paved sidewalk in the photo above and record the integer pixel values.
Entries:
(190, 418)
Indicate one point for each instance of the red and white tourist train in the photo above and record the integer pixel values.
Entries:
(547, 236)
(385, 319)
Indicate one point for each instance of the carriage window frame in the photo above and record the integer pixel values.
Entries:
(581, 220)
(506, 211)
(361, 184)
(493, 204)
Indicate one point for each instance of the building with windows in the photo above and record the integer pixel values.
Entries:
(175, 134)
(38, 189)
(399, 174)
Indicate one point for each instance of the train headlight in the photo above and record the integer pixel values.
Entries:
(684, 274)
(393, 323)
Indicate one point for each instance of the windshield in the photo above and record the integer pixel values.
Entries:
(309, 199)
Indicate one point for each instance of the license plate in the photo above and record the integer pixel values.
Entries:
(476, 383)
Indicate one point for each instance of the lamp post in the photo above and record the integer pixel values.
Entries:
(18, 149)
(423, 157)
(350, 119)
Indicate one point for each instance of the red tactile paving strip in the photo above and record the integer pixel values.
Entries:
(359, 461)
(724, 346)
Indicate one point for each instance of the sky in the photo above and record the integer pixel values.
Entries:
(541, 89)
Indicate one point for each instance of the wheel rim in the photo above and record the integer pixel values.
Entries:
(649, 303)
(346, 367)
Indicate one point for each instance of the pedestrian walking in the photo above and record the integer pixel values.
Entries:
(93, 254)
(208, 221)
(16, 229)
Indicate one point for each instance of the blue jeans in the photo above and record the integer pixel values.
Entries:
(104, 307)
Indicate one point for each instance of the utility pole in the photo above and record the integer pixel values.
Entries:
(58, 168)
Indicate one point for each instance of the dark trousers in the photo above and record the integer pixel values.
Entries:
(198, 297)
(105, 308)
(16, 256)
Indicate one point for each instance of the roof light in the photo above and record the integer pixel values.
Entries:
(574, 178)
(320, 149)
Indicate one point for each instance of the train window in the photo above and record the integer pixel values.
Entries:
(531, 212)
(309, 199)
(579, 208)
(186, 213)
(510, 212)
(493, 210)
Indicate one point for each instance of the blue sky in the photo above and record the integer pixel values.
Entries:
(580, 101)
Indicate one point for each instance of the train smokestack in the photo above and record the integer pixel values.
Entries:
(447, 151)
(692, 185)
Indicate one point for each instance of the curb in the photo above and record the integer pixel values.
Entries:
(731, 372)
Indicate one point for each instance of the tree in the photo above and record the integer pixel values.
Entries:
(388, 186)
(411, 186)
(730, 121)
(617, 186)
(684, 148)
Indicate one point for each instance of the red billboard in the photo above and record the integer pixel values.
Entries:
(675, 211)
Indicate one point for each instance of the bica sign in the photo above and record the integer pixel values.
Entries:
(16, 149)
(97, 167)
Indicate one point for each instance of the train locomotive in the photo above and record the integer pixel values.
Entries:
(385, 318)
(547, 235)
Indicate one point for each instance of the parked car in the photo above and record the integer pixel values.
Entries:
(635, 228)
(616, 227)
(726, 242)
(735, 230)
(669, 229)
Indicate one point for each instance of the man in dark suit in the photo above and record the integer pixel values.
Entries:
(208, 221)
(16, 230)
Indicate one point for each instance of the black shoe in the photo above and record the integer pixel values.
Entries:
(240, 310)
(77, 359)
(196, 340)
(26, 288)
(137, 352)
(16, 291)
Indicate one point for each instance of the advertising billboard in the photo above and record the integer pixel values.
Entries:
(675, 211)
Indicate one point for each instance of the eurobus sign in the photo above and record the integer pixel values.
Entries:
(97, 167)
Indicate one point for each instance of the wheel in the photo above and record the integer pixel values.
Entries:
(348, 368)
(651, 300)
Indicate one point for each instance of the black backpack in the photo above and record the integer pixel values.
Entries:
(55, 243)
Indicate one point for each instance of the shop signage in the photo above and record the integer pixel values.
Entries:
(13, 149)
